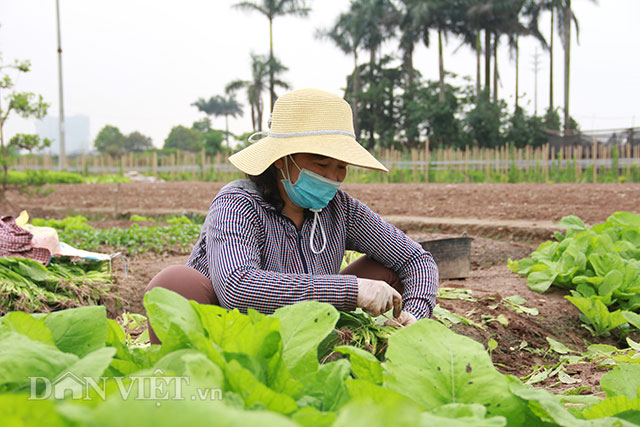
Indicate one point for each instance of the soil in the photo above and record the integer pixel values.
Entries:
(505, 220)
(529, 202)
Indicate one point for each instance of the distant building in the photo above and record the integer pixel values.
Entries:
(77, 138)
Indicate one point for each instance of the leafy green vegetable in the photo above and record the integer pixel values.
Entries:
(363, 364)
(599, 264)
(596, 314)
(79, 330)
(623, 380)
(22, 357)
(611, 407)
(17, 410)
(303, 327)
(455, 370)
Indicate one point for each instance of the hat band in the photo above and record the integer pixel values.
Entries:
(311, 133)
(263, 134)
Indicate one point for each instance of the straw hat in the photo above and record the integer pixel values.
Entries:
(306, 121)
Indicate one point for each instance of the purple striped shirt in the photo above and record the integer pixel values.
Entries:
(257, 258)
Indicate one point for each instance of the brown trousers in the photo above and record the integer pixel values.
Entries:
(193, 285)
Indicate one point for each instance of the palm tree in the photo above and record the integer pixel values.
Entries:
(531, 12)
(260, 67)
(517, 18)
(347, 33)
(378, 19)
(480, 15)
(412, 32)
(503, 18)
(272, 9)
(438, 15)
(562, 9)
(220, 106)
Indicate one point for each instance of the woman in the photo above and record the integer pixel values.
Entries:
(279, 236)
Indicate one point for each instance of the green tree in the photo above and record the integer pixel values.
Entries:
(24, 104)
(485, 121)
(551, 120)
(110, 141)
(378, 19)
(437, 15)
(347, 33)
(440, 118)
(380, 97)
(137, 143)
(213, 142)
(272, 9)
(203, 125)
(261, 68)
(185, 139)
(566, 17)
(220, 106)
(213, 138)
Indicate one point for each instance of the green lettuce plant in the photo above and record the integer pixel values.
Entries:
(600, 265)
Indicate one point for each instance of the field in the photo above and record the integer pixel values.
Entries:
(505, 220)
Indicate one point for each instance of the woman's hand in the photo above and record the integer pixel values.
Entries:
(405, 319)
(377, 297)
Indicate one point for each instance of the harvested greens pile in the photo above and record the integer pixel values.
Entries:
(358, 330)
(27, 285)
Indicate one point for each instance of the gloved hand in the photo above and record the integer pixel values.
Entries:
(377, 297)
(405, 319)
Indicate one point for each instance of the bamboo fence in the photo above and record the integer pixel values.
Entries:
(416, 165)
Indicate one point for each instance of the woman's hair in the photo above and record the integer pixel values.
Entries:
(267, 182)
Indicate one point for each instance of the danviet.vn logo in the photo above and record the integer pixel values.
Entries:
(156, 387)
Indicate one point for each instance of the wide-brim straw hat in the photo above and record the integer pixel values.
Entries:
(307, 121)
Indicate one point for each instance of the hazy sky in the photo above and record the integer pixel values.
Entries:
(139, 65)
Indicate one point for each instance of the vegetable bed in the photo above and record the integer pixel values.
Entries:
(600, 265)
(239, 369)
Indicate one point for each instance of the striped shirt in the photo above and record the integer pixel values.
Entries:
(257, 258)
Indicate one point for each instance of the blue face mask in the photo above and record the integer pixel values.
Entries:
(311, 191)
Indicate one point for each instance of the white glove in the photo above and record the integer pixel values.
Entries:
(377, 297)
(405, 319)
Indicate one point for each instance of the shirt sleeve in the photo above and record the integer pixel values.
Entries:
(368, 233)
(233, 234)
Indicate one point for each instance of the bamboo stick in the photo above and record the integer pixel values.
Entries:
(203, 164)
(628, 157)
(427, 157)
(578, 162)
(507, 152)
(545, 162)
(595, 160)
(487, 159)
(467, 153)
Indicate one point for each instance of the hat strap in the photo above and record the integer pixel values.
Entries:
(257, 136)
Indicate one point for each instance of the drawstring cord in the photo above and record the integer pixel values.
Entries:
(313, 231)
